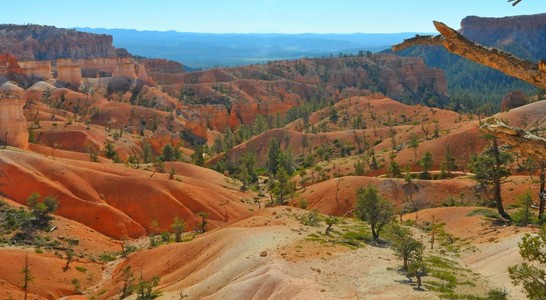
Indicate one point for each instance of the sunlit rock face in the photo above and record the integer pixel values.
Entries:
(13, 125)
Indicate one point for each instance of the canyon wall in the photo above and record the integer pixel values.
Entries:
(524, 36)
(35, 42)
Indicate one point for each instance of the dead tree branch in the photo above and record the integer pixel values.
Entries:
(505, 62)
(524, 141)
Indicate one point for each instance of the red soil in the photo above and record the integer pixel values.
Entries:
(117, 200)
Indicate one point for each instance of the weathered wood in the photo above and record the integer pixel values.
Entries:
(523, 141)
(454, 42)
(515, 2)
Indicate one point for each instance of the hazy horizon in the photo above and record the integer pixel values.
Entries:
(261, 16)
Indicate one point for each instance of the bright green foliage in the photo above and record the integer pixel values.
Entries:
(524, 215)
(109, 150)
(144, 288)
(359, 168)
(330, 221)
(497, 294)
(405, 245)
(178, 226)
(426, 164)
(374, 209)
(531, 274)
(311, 219)
(41, 210)
(154, 229)
(485, 168)
(393, 168)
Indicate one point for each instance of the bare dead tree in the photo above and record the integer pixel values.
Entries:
(454, 42)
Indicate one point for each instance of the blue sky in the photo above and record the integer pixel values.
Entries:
(262, 16)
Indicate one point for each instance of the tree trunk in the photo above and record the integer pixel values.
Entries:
(497, 181)
(542, 197)
(375, 234)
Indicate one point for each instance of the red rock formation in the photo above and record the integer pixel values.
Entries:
(9, 64)
(161, 66)
(69, 71)
(142, 74)
(124, 68)
(35, 42)
(13, 125)
(486, 30)
(197, 126)
(216, 116)
(161, 138)
(233, 120)
(246, 111)
(107, 67)
(37, 68)
(513, 99)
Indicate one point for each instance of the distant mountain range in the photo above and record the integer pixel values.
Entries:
(203, 50)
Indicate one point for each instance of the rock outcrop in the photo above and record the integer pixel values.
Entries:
(514, 33)
(9, 64)
(107, 67)
(37, 68)
(513, 99)
(161, 66)
(35, 42)
(13, 125)
(69, 72)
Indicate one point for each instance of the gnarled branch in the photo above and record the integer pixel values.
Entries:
(515, 2)
(523, 141)
(505, 62)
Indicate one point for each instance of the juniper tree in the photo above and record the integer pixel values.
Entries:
(531, 274)
(374, 209)
(491, 169)
(178, 226)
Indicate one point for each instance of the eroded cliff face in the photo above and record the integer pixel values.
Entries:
(9, 64)
(512, 33)
(35, 42)
(37, 68)
(13, 125)
(509, 32)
